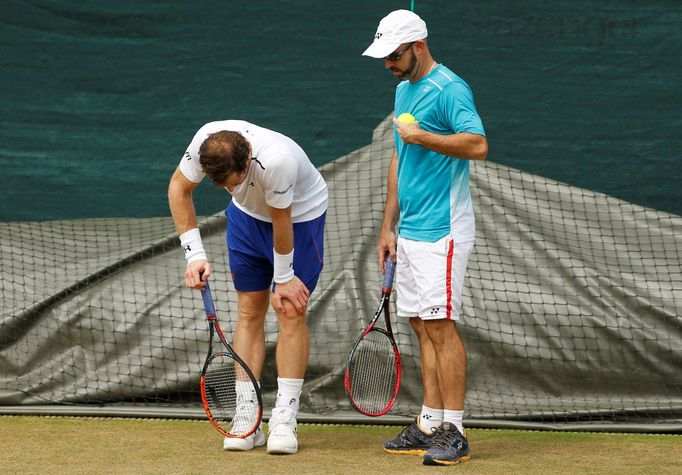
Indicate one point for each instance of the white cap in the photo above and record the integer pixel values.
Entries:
(396, 28)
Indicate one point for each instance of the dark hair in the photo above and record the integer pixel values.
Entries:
(224, 153)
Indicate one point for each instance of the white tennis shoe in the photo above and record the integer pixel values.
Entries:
(247, 443)
(245, 415)
(282, 433)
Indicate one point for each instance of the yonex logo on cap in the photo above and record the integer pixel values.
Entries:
(396, 28)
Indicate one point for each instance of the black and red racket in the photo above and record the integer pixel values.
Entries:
(372, 376)
(230, 393)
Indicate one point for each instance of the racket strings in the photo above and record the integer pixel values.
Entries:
(373, 373)
(230, 395)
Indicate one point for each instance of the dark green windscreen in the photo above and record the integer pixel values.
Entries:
(100, 99)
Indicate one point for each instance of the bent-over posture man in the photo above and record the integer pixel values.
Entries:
(275, 227)
(429, 201)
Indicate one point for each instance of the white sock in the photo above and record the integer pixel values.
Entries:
(245, 389)
(289, 393)
(454, 417)
(430, 419)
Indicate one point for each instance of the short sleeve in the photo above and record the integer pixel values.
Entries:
(280, 179)
(189, 164)
(459, 109)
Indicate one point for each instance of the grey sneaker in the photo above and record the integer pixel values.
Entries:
(411, 441)
(449, 447)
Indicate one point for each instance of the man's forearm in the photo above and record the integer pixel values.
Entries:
(391, 211)
(282, 230)
(462, 145)
(182, 210)
(181, 206)
(184, 217)
(283, 245)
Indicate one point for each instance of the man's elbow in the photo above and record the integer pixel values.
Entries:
(481, 149)
(173, 189)
(179, 188)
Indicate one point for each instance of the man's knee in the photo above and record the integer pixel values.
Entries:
(441, 331)
(290, 320)
(252, 307)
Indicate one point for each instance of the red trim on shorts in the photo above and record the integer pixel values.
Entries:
(448, 278)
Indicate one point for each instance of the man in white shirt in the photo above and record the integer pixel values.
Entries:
(279, 203)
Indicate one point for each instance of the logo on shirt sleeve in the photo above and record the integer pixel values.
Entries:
(283, 192)
(187, 156)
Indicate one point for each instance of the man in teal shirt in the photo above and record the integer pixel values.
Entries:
(429, 202)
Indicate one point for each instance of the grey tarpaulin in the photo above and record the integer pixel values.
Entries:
(572, 305)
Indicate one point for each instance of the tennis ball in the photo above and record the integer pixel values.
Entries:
(407, 118)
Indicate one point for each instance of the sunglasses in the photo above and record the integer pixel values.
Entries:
(396, 55)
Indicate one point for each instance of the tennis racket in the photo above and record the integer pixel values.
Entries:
(229, 392)
(372, 375)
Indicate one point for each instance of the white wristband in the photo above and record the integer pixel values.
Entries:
(192, 245)
(284, 267)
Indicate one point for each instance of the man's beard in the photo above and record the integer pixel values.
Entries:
(406, 75)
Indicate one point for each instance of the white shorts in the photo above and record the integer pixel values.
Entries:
(430, 277)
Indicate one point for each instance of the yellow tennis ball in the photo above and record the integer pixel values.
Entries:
(407, 118)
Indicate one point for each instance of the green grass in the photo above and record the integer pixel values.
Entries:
(61, 445)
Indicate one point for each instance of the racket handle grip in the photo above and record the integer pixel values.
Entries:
(389, 271)
(209, 307)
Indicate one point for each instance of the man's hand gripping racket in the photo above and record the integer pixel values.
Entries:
(372, 376)
(229, 391)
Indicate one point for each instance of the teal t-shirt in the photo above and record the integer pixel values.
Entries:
(433, 189)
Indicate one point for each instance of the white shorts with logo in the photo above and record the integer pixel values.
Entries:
(430, 277)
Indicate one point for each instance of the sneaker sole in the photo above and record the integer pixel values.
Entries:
(242, 445)
(405, 452)
(239, 447)
(446, 462)
(284, 451)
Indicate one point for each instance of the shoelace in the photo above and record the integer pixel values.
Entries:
(281, 416)
(404, 434)
(447, 438)
(245, 412)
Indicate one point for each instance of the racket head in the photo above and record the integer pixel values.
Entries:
(231, 396)
(373, 372)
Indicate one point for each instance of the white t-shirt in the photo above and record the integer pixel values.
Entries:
(279, 175)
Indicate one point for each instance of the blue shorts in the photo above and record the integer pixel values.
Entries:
(249, 245)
